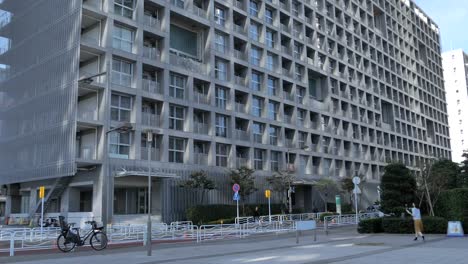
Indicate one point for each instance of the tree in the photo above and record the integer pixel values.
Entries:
(347, 185)
(325, 187)
(199, 181)
(244, 177)
(280, 182)
(398, 187)
(435, 178)
(463, 176)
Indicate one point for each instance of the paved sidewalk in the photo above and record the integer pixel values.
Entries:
(343, 245)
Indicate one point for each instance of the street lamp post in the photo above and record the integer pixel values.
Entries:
(149, 140)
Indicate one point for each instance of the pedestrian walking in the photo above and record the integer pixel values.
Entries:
(418, 225)
(256, 214)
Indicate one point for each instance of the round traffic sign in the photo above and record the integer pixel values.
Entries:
(356, 180)
(236, 187)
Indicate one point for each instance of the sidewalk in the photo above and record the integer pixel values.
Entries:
(342, 245)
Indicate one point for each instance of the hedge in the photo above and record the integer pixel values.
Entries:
(394, 225)
(204, 214)
(370, 226)
(453, 205)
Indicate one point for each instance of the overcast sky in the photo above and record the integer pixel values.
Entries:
(452, 18)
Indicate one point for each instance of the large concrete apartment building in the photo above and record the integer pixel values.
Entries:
(325, 88)
(455, 65)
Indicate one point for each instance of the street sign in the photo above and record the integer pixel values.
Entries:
(267, 193)
(41, 192)
(357, 190)
(356, 180)
(455, 229)
(236, 187)
(236, 196)
(338, 204)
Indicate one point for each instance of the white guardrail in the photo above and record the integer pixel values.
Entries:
(21, 239)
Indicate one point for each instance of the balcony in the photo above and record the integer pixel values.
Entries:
(242, 162)
(87, 152)
(240, 29)
(151, 53)
(93, 3)
(200, 159)
(201, 128)
(201, 98)
(154, 152)
(241, 108)
(149, 119)
(240, 55)
(187, 63)
(242, 135)
(87, 114)
(289, 143)
(151, 22)
(151, 86)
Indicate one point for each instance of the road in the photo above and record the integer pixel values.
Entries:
(341, 246)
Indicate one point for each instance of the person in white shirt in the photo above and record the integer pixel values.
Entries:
(418, 225)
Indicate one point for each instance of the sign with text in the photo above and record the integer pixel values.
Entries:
(338, 204)
(41, 192)
(455, 229)
(267, 193)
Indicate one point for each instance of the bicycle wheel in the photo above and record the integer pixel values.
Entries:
(98, 241)
(64, 245)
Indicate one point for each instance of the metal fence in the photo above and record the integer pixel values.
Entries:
(21, 239)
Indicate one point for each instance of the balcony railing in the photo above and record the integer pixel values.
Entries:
(151, 86)
(188, 63)
(86, 152)
(88, 114)
(242, 135)
(201, 98)
(151, 53)
(242, 162)
(200, 159)
(149, 119)
(151, 22)
(241, 108)
(93, 39)
(155, 153)
(201, 128)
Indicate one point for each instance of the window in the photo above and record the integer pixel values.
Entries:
(258, 159)
(176, 117)
(122, 38)
(220, 16)
(176, 150)
(257, 106)
(221, 97)
(119, 145)
(270, 62)
(301, 117)
(274, 160)
(302, 138)
(253, 8)
(271, 83)
(221, 70)
(220, 42)
(177, 86)
(221, 125)
(121, 107)
(184, 41)
(273, 133)
(272, 110)
(257, 131)
(124, 8)
(122, 72)
(255, 54)
(270, 39)
(268, 16)
(254, 31)
(297, 51)
(222, 154)
(255, 82)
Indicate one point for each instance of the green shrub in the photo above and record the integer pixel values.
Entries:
(346, 208)
(431, 225)
(322, 216)
(370, 226)
(453, 205)
(222, 221)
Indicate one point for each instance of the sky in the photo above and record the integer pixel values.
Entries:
(452, 18)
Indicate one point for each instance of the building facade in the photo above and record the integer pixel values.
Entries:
(324, 88)
(455, 65)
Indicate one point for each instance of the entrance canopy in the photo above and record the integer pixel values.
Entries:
(143, 173)
(303, 181)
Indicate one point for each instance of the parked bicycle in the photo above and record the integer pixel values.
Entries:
(70, 237)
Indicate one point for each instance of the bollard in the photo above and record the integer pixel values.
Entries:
(325, 224)
(12, 246)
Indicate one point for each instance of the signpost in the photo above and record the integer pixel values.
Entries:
(356, 191)
(268, 195)
(236, 197)
(338, 204)
(41, 196)
(306, 225)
